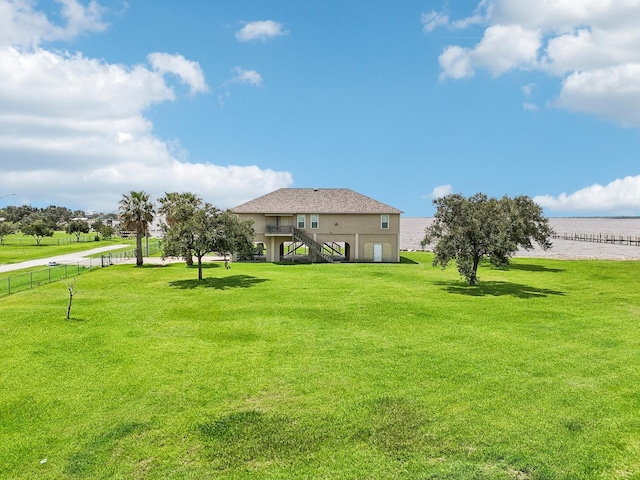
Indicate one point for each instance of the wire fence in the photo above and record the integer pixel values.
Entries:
(54, 273)
(29, 241)
(25, 281)
(113, 258)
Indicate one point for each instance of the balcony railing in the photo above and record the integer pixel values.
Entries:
(279, 229)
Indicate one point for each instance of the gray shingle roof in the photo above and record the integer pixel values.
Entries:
(314, 200)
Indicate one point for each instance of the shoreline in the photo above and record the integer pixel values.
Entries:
(412, 231)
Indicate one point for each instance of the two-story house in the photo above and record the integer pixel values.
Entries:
(324, 224)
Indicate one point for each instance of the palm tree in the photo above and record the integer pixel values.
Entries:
(136, 211)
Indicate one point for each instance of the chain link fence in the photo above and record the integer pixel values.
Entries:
(47, 241)
(25, 281)
(113, 258)
(54, 273)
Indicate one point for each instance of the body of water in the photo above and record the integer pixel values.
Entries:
(412, 232)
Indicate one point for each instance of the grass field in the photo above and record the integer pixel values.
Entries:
(346, 371)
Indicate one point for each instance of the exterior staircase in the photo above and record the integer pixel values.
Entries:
(315, 248)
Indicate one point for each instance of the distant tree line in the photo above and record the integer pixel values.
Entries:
(43, 222)
(191, 227)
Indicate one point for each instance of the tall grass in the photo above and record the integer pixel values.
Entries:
(325, 371)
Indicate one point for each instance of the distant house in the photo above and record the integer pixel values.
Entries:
(323, 225)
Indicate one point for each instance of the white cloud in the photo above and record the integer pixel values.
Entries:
(456, 63)
(505, 47)
(612, 93)
(101, 186)
(441, 191)
(261, 30)
(501, 49)
(584, 49)
(22, 26)
(247, 77)
(466, 22)
(238, 76)
(559, 15)
(73, 129)
(618, 197)
(189, 72)
(592, 46)
(82, 18)
(433, 20)
(527, 91)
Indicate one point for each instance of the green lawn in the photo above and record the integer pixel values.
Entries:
(345, 371)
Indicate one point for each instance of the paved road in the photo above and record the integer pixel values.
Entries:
(73, 258)
(68, 258)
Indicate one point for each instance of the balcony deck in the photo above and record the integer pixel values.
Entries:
(279, 230)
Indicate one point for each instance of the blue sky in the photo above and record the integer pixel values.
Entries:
(400, 101)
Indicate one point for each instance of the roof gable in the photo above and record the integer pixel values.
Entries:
(315, 200)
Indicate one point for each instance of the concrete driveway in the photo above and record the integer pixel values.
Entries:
(67, 258)
(74, 258)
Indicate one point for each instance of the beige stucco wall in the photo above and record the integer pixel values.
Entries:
(349, 224)
(361, 232)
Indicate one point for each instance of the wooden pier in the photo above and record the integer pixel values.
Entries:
(599, 238)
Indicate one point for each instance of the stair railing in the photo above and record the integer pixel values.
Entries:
(311, 243)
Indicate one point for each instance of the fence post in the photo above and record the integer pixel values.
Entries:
(9, 286)
(31, 279)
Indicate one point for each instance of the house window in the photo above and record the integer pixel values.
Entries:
(301, 221)
(315, 221)
(384, 222)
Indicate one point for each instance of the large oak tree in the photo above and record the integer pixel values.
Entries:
(36, 228)
(466, 230)
(178, 208)
(207, 229)
(6, 228)
(77, 227)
